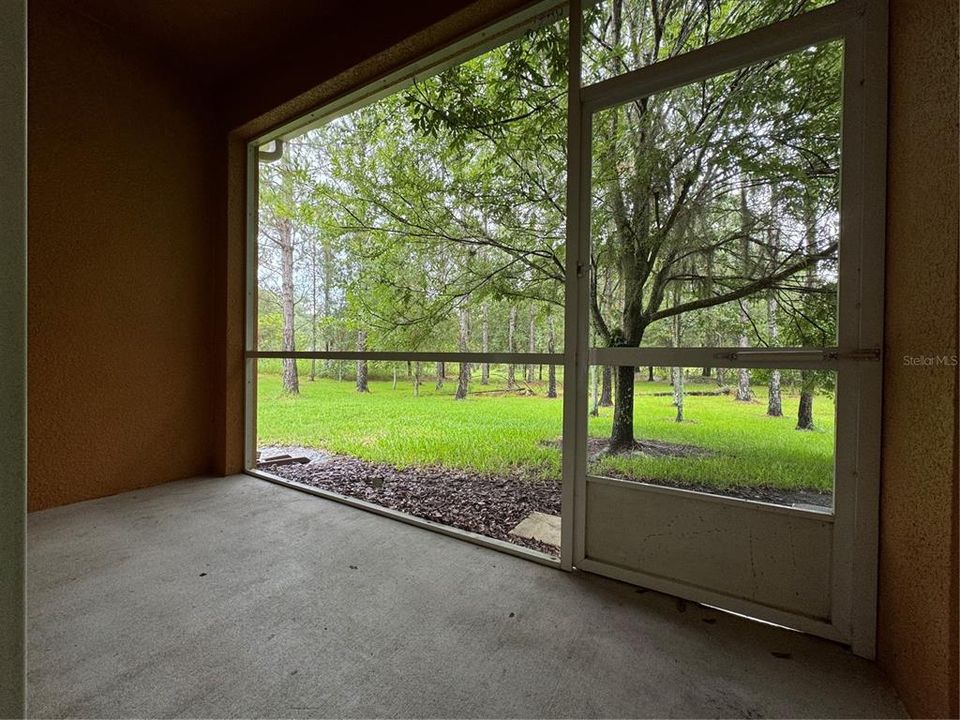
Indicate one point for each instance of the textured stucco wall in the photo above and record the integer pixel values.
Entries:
(123, 222)
(917, 629)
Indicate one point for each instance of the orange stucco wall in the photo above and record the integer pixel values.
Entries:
(917, 632)
(122, 226)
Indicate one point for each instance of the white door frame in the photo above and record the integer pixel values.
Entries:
(862, 25)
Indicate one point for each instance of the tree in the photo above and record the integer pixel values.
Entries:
(669, 163)
(445, 196)
(281, 212)
(552, 369)
(362, 370)
(511, 347)
(463, 380)
(744, 393)
(808, 377)
(485, 344)
(291, 381)
(774, 400)
(531, 344)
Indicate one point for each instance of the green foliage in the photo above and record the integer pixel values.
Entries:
(511, 433)
(714, 214)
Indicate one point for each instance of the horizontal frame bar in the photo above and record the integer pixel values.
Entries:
(825, 515)
(470, 357)
(715, 600)
(752, 47)
(729, 357)
(472, 537)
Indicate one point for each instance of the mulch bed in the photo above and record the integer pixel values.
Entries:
(484, 504)
(490, 505)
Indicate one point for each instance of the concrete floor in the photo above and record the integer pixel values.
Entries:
(237, 598)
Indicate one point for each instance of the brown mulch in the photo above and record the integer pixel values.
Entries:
(484, 504)
(490, 505)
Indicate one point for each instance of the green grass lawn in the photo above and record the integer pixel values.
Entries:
(496, 432)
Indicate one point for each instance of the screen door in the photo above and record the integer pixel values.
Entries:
(726, 235)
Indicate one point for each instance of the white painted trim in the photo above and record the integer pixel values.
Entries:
(578, 243)
(471, 357)
(724, 56)
(720, 601)
(731, 357)
(251, 199)
(825, 515)
(472, 537)
(574, 361)
(863, 194)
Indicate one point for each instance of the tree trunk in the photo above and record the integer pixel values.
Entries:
(743, 375)
(594, 392)
(706, 372)
(463, 381)
(532, 345)
(676, 376)
(807, 378)
(485, 340)
(743, 383)
(394, 376)
(291, 381)
(805, 411)
(676, 373)
(606, 387)
(362, 364)
(621, 437)
(416, 379)
(327, 282)
(552, 370)
(313, 308)
(650, 377)
(511, 347)
(439, 376)
(774, 401)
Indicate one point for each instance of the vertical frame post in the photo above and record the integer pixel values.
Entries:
(873, 166)
(250, 321)
(575, 349)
